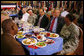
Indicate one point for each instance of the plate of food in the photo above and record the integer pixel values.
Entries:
(49, 41)
(47, 34)
(28, 35)
(29, 41)
(20, 33)
(41, 37)
(41, 44)
(29, 24)
(53, 35)
(35, 27)
(41, 29)
(42, 33)
(36, 30)
(20, 36)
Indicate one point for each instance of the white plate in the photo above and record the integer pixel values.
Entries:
(54, 37)
(42, 29)
(20, 32)
(19, 35)
(40, 46)
(48, 40)
(43, 38)
(29, 44)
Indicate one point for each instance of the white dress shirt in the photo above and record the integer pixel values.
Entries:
(55, 25)
(25, 17)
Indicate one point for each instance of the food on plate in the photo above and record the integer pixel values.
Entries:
(49, 41)
(20, 33)
(41, 37)
(43, 33)
(29, 24)
(36, 33)
(32, 40)
(53, 35)
(41, 29)
(47, 34)
(20, 36)
(41, 44)
(29, 41)
(38, 29)
(28, 35)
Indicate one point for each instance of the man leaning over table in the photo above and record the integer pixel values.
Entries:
(56, 22)
(4, 16)
(9, 46)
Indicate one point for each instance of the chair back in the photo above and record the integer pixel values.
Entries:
(81, 33)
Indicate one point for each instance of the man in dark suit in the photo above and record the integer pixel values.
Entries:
(42, 20)
(56, 22)
(20, 13)
(9, 46)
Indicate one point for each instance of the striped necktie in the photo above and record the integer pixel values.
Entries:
(51, 26)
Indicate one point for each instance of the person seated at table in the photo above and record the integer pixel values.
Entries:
(9, 46)
(56, 22)
(45, 9)
(32, 17)
(25, 15)
(48, 15)
(6, 11)
(42, 20)
(70, 34)
(14, 11)
(4, 16)
(20, 13)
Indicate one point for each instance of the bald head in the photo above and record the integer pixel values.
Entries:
(56, 13)
(9, 26)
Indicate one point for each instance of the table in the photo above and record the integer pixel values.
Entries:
(48, 50)
(13, 15)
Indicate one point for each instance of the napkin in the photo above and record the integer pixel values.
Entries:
(34, 47)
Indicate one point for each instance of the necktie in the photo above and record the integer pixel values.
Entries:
(51, 26)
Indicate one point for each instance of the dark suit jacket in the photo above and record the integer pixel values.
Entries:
(44, 21)
(20, 14)
(60, 24)
(9, 46)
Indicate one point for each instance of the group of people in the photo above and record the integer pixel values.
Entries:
(57, 21)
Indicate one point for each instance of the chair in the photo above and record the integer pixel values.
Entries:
(81, 36)
(81, 33)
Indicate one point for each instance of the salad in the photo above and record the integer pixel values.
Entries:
(20, 36)
(41, 44)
